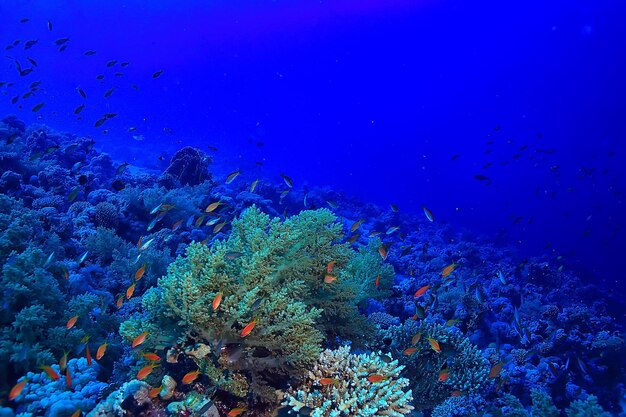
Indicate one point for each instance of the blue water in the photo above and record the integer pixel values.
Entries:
(505, 119)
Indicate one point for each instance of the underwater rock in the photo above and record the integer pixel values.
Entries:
(189, 166)
(168, 385)
(10, 181)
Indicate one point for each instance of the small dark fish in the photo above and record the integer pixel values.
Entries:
(118, 185)
(27, 94)
(455, 157)
(109, 115)
(89, 52)
(63, 48)
(82, 179)
(385, 358)
(111, 63)
(306, 411)
(109, 92)
(52, 149)
(232, 255)
(481, 177)
(124, 64)
(24, 20)
(38, 107)
(256, 304)
(99, 122)
(49, 25)
(487, 165)
(81, 92)
(119, 74)
(14, 99)
(134, 86)
(100, 77)
(35, 85)
(157, 74)
(121, 168)
(78, 109)
(8, 47)
(32, 61)
(517, 156)
(61, 41)
(73, 194)
(30, 44)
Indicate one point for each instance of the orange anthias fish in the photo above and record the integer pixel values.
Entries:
(246, 330)
(77, 413)
(17, 389)
(421, 291)
(328, 381)
(176, 225)
(495, 370)
(88, 354)
(119, 302)
(63, 362)
(376, 378)
(328, 278)
(409, 351)
(152, 357)
(428, 214)
(416, 338)
(50, 372)
(236, 412)
(356, 225)
(383, 251)
(140, 272)
(71, 322)
(448, 270)
(139, 339)
(217, 301)
(68, 378)
(330, 266)
(155, 391)
(130, 291)
(101, 349)
(211, 207)
(145, 371)
(444, 374)
(377, 280)
(434, 345)
(191, 376)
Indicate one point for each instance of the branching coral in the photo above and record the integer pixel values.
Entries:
(467, 368)
(350, 392)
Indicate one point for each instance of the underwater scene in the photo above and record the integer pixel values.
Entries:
(312, 208)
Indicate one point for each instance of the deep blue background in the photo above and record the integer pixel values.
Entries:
(372, 98)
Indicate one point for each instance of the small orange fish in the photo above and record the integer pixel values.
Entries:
(17, 389)
(211, 207)
(101, 349)
(71, 322)
(434, 344)
(428, 214)
(383, 251)
(231, 177)
(119, 302)
(328, 278)
(176, 225)
(409, 351)
(219, 227)
(140, 272)
(416, 338)
(139, 339)
(68, 378)
(66, 275)
(376, 378)
(145, 371)
(88, 354)
(377, 281)
(139, 241)
(236, 412)
(456, 393)
(354, 238)
(77, 413)
(217, 301)
(130, 291)
(155, 391)
(246, 330)
(51, 372)
(152, 357)
(328, 381)
(356, 225)
(191, 376)
(448, 270)
(330, 266)
(495, 370)
(63, 362)
(444, 374)
(421, 291)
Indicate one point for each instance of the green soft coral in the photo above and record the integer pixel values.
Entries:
(268, 271)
